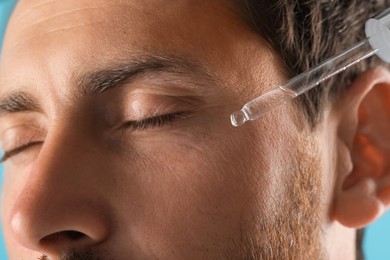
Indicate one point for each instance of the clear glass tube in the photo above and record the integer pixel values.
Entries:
(303, 83)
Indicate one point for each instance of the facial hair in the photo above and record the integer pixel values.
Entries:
(86, 255)
(293, 229)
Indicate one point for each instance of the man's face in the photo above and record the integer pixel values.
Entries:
(115, 123)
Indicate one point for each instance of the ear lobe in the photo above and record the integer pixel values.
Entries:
(363, 194)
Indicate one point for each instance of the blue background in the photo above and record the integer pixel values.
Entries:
(377, 235)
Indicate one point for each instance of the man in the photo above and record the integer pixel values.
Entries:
(118, 145)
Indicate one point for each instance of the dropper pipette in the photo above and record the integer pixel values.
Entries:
(377, 42)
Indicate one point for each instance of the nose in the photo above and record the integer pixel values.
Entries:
(63, 205)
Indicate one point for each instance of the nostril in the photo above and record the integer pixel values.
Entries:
(70, 237)
(74, 234)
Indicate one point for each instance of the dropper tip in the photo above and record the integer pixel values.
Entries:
(238, 118)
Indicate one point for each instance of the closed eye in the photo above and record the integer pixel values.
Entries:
(155, 122)
(135, 125)
(17, 150)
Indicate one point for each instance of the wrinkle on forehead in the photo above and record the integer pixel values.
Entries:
(34, 19)
(40, 20)
(58, 15)
(41, 11)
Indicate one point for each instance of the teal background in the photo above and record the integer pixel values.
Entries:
(6, 7)
(377, 238)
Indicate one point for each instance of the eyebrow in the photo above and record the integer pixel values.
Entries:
(18, 102)
(95, 82)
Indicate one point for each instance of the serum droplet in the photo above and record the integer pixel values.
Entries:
(238, 118)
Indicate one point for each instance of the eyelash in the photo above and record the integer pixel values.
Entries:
(148, 123)
(153, 122)
(9, 154)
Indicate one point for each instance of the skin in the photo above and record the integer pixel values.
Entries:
(194, 188)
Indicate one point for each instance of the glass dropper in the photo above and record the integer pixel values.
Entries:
(377, 42)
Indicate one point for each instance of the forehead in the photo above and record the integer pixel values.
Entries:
(48, 41)
(112, 25)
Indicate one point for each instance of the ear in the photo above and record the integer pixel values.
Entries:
(362, 192)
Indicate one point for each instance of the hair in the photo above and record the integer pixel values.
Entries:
(307, 32)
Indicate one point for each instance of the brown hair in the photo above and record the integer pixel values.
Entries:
(306, 32)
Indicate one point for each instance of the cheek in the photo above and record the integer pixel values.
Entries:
(191, 192)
